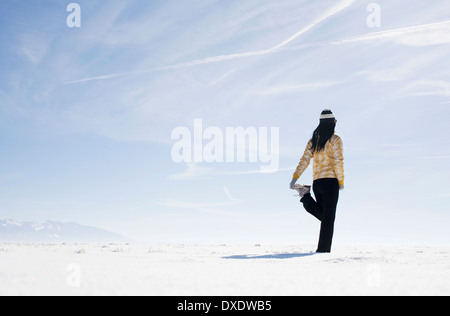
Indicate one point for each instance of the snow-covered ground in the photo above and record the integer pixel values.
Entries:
(266, 270)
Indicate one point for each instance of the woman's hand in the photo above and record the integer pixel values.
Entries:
(293, 182)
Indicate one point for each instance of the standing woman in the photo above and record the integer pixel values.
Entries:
(326, 150)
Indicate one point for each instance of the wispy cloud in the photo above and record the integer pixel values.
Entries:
(98, 78)
(420, 35)
(229, 196)
(250, 172)
(33, 46)
(198, 171)
(295, 88)
(221, 78)
(342, 5)
(193, 171)
(429, 88)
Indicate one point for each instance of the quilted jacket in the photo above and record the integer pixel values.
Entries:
(328, 163)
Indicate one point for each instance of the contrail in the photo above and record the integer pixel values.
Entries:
(98, 78)
(394, 33)
(384, 35)
(331, 12)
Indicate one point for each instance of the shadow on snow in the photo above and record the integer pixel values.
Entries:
(273, 256)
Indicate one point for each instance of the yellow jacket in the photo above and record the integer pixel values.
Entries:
(328, 163)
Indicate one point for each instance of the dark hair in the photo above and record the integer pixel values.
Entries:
(323, 134)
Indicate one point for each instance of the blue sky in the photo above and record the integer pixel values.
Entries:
(86, 115)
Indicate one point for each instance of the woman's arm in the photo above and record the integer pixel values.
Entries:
(304, 162)
(338, 150)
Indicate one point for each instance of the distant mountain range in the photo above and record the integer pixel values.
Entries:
(51, 231)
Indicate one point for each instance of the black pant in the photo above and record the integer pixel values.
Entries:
(324, 209)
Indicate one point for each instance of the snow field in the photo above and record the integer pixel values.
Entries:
(205, 270)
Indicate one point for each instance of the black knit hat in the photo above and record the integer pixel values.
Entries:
(327, 115)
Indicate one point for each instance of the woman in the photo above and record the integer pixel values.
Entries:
(326, 150)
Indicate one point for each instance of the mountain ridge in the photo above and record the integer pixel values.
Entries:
(54, 231)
